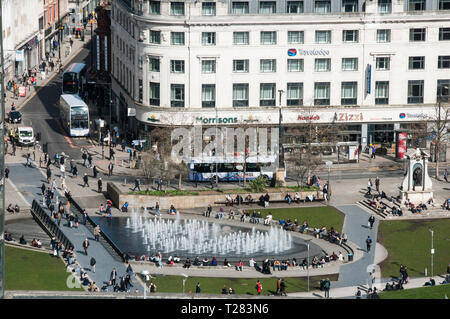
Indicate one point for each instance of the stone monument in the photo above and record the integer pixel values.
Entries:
(417, 184)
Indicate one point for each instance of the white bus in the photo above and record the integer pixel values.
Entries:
(74, 115)
(231, 168)
(74, 79)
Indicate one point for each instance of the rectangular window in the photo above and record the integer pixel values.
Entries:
(416, 63)
(294, 7)
(382, 64)
(384, 6)
(240, 38)
(267, 94)
(295, 65)
(155, 7)
(443, 91)
(155, 37)
(154, 64)
(444, 4)
(415, 91)
(177, 38)
(322, 93)
(177, 8)
(383, 35)
(208, 38)
(323, 36)
(295, 37)
(267, 7)
(154, 94)
(239, 7)
(240, 66)
(382, 92)
(348, 93)
(177, 95)
(349, 64)
(141, 90)
(349, 5)
(322, 65)
(268, 65)
(208, 66)
(350, 35)
(444, 62)
(268, 37)
(444, 34)
(322, 6)
(208, 95)
(240, 94)
(208, 8)
(416, 5)
(294, 94)
(417, 34)
(177, 66)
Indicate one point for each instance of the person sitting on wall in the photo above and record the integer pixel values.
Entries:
(228, 200)
(125, 207)
(288, 198)
(268, 219)
(238, 199)
(10, 208)
(187, 263)
(249, 199)
(22, 240)
(172, 210)
(297, 197)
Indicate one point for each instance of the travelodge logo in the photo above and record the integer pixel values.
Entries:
(292, 52)
(402, 115)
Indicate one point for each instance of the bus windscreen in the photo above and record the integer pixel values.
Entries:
(70, 83)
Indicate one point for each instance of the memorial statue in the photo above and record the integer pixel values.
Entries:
(417, 177)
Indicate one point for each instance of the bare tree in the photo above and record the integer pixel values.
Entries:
(179, 169)
(440, 132)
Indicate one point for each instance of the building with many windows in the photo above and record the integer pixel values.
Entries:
(370, 67)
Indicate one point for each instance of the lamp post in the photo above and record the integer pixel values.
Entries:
(145, 273)
(184, 280)
(217, 175)
(307, 260)
(432, 249)
(281, 155)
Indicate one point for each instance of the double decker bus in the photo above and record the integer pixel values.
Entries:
(74, 79)
(74, 114)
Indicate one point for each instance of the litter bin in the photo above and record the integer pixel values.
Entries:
(350, 257)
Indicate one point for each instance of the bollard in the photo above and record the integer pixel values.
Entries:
(125, 181)
(426, 272)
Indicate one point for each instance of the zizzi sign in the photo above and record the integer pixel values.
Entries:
(293, 52)
(349, 117)
(220, 120)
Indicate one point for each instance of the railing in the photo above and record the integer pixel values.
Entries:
(116, 249)
(48, 224)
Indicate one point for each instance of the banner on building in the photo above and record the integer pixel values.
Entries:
(98, 52)
(401, 145)
(19, 56)
(368, 78)
(22, 91)
(105, 39)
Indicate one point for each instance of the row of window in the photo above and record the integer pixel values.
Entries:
(297, 37)
(294, 93)
(297, 65)
(292, 7)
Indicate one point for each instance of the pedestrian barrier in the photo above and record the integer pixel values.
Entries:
(116, 249)
(48, 225)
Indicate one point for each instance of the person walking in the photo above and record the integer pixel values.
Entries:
(113, 277)
(7, 173)
(369, 187)
(93, 262)
(85, 179)
(85, 246)
(99, 184)
(371, 221)
(85, 215)
(97, 232)
(95, 171)
(110, 169)
(89, 161)
(446, 175)
(278, 286)
(377, 184)
(326, 287)
(283, 288)
(84, 157)
(111, 154)
(368, 243)
(258, 288)
(137, 184)
(49, 175)
(197, 288)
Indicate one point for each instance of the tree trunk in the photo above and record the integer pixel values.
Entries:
(245, 171)
(437, 151)
(179, 181)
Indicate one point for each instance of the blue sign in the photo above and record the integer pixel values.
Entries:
(292, 52)
(368, 78)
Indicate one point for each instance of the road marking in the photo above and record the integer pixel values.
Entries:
(17, 191)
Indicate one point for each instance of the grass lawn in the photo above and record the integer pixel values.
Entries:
(31, 270)
(241, 286)
(409, 243)
(436, 292)
(327, 216)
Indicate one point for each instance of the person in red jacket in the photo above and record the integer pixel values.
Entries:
(258, 287)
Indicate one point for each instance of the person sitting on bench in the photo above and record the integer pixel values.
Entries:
(249, 199)
(238, 199)
(310, 198)
(288, 198)
(297, 198)
(266, 200)
(268, 219)
(228, 200)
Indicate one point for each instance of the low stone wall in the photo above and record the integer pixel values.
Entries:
(184, 202)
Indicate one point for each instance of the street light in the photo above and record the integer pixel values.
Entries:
(432, 249)
(144, 274)
(328, 164)
(307, 264)
(184, 280)
(280, 146)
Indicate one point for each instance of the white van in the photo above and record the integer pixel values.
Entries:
(25, 135)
